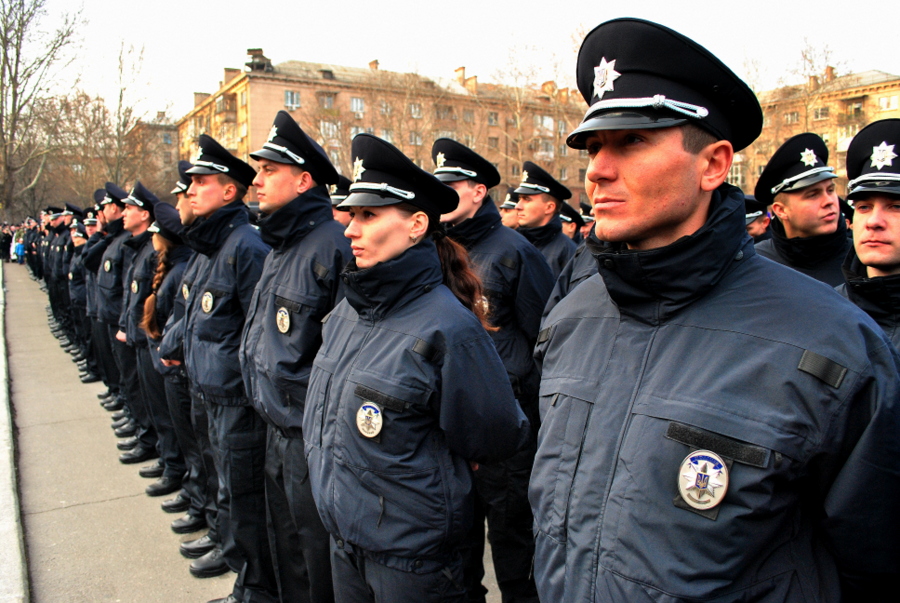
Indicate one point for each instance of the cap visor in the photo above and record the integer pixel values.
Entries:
(874, 188)
(451, 177)
(621, 120)
(202, 171)
(367, 200)
(814, 179)
(271, 156)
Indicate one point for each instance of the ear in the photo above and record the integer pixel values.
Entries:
(550, 206)
(779, 208)
(304, 182)
(480, 193)
(716, 160)
(418, 225)
(230, 192)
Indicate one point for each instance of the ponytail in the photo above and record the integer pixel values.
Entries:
(148, 322)
(460, 278)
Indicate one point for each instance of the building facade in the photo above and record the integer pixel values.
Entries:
(333, 103)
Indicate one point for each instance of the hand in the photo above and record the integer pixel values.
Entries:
(473, 465)
(170, 362)
(120, 336)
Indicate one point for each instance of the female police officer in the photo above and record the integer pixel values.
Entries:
(406, 392)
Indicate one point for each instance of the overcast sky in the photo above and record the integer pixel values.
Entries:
(186, 44)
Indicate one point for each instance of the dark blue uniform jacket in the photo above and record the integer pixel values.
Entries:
(230, 257)
(90, 275)
(138, 281)
(556, 247)
(703, 344)
(579, 269)
(171, 347)
(879, 297)
(820, 257)
(402, 341)
(169, 297)
(298, 287)
(108, 258)
(77, 288)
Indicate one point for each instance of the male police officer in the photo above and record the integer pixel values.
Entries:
(229, 263)
(872, 269)
(540, 201)
(516, 283)
(508, 214)
(757, 219)
(338, 194)
(299, 286)
(696, 444)
(808, 234)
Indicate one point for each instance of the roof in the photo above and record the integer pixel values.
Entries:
(844, 82)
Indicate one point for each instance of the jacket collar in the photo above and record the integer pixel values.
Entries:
(654, 285)
(878, 297)
(542, 235)
(807, 252)
(469, 232)
(115, 227)
(377, 291)
(179, 254)
(136, 242)
(295, 220)
(207, 235)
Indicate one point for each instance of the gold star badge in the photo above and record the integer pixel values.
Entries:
(883, 155)
(440, 160)
(604, 75)
(272, 133)
(199, 155)
(808, 157)
(358, 169)
(524, 177)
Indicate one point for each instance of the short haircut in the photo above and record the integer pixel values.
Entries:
(694, 138)
(224, 180)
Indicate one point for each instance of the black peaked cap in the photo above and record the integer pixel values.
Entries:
(184, 178)
(570, 214)
(288, 143)
(383, 175)
(873, 159)
(168, 223)
(753, 209)
(73, 210)
(455, 161)
(798, 163)
(535, 179)
(340, 190)
(52, 210)
(213, 158)
(512, 197)
(142, 198)
(99, 194)
(638, 74)
(114, 194)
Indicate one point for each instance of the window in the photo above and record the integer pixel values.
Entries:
(583, 198)
(329, 129)
(493, 142)
(326, 101)
(358, 106)
(583, 153)
(387, 135)
(826, 137)
(792, 117)
(848, 131)
(493, 118)
(888, 103)
(415, 111)
(384, 108)
(469, 141)
(563, 150)
(736, 175)
(242, 98)
(444, 112)
(855, 109)
(167, 138)
(582, 175)
(469, 116)
(291, 100)
(820, 113)
(415, 139)
(515, 170)
(546, 147)
(335, 156)
(354, 130)
(561, 127)
(544, 122)
(244, 130)
(563, 174)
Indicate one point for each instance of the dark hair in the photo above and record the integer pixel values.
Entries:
(694, 138)
(241, 189)
(459, 276)
(148, 322)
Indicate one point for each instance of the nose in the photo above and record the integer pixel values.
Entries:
(600, 168)
(875, 218)
(352, 230)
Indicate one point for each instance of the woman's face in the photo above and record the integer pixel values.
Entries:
(158, 243)
(378, 234)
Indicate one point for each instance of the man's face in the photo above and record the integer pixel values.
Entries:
(509, 217)
(185, 211)
(90, 230)
(343, 217)
(135, 220)
(876, 233)
(586, 229)
(207, 194)
(111, 212)
(535, 210)
(470, 198)
(277, 184)
(644, 187)
(569, 228)
(758, 226)
(809, 212)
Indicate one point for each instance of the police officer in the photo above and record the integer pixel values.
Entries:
(406, 388)
(229, 263)
(508, 214)
(872, 268)
(588, 218)
(516, 284)
(539, 205)
(338, 194)
(703, 436)
(299, 286)
(808, 232)
(572, 222)
(757, 219)
(91, 362)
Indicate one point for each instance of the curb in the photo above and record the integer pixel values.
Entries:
(13, 570)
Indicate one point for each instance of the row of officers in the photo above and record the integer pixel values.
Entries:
(660, 413)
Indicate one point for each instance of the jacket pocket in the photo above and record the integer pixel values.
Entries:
(317, 400)
(566, 408)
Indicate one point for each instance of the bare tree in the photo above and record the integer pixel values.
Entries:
(28, 57)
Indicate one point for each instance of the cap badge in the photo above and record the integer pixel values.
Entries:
(185, 291)
(107, 266)
(604, 76)
(883, 155)
(703, 479)
(70, 276)
(369, 419)
(358, 169)
(508, 198)
(134, 286)
(283, 320)
(440, 160)
(808, 157)
(272, 134)
(206, 303)
(524, 177)
(199, 156)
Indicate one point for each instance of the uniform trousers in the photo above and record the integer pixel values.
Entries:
(103, 355)
(358, 579)
(237, 435)
(299, 541)
(153, 390)
(88, 335)
(200, 423)
(178, 400)
(130, 387)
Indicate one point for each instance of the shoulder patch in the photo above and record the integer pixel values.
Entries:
(701, 439)
(423, 348)
(509, 263)
(544, 335)
(231, 260)
(372, 395)
(824, 369)
(320, 270)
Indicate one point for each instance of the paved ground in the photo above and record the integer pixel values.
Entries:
(91, 533)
